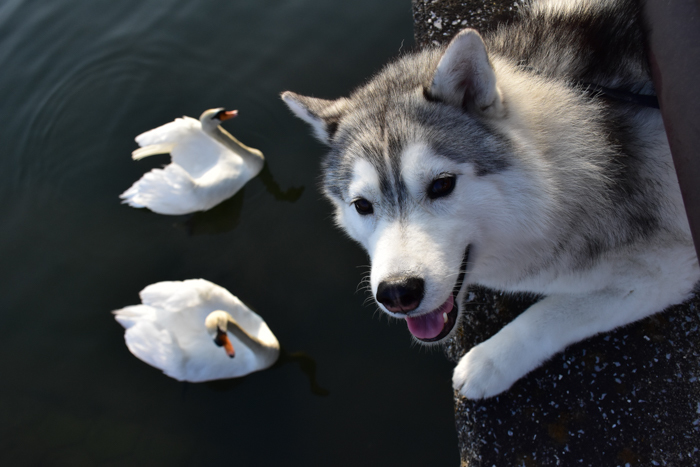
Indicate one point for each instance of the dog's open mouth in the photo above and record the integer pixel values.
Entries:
(436, 325)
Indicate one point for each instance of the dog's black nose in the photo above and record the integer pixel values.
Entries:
(401, 294)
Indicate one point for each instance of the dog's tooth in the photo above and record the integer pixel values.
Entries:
(444, 316)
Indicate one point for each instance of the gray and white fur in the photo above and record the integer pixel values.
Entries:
(498, 161)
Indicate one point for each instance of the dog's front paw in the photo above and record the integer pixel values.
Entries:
(482, 373)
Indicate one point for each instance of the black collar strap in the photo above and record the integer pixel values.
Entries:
(644, 100)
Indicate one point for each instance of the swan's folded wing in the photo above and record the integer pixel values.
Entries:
(198, 153)
(166, 191)
(172, 132)
(163, 139)
(157, 347)
(176, 296)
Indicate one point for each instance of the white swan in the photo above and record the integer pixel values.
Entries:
(182, 326)
(208, 165)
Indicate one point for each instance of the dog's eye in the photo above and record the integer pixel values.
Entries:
(442, 186)
(363, 206)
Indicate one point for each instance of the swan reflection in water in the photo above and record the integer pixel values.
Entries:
(227, 215)
(306, 363)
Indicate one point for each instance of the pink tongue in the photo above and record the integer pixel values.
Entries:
(430, 325)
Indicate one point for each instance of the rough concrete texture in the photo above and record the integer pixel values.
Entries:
(437, 21)
(630, 397)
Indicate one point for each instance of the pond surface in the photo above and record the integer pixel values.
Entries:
(80, 79)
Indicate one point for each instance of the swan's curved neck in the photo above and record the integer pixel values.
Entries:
(251, 156)
(266, 352)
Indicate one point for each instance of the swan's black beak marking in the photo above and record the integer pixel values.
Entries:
(222, 340)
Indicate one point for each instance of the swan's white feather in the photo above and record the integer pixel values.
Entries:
(167, 331)
(169, 133)
(152, 150)
(203, 172)
(165, 191)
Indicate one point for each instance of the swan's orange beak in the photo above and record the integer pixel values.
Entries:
(222, 340)
(223, 116)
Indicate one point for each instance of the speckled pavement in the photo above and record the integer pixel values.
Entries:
(630, 397)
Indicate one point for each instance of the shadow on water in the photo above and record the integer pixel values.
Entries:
(306, 363)
(291, 195)
(226, 216)
(223, 217)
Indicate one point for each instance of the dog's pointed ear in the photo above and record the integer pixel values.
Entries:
(323, 115)
(465, 78)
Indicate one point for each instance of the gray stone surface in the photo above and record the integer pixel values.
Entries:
(438, 21)
(628, 397)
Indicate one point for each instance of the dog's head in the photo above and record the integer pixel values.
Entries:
(408, 174)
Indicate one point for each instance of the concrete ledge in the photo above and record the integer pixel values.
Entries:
(629, 397)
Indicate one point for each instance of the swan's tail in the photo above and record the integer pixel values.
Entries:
(165, 191)
(149, 341)
(130, 315)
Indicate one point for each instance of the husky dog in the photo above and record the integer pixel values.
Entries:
(526, 160)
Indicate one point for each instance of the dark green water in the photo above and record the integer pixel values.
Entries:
(80, 79)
